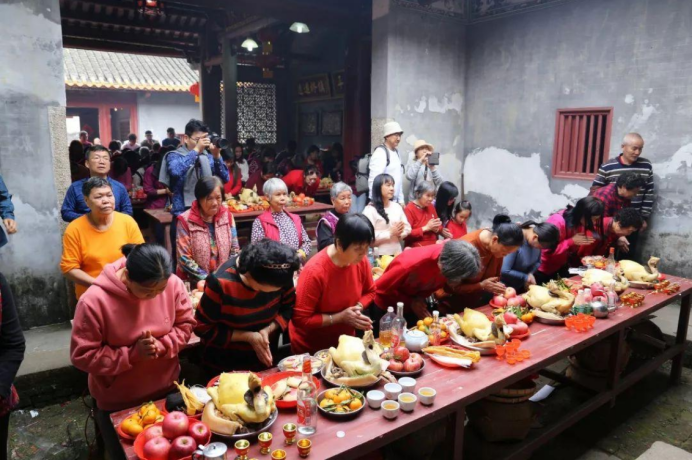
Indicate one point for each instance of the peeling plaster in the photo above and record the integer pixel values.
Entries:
(411, 139)
(640, 118)
(503, 176)
(420, 107)
(629, 99)
(453, 102)
(672, 165)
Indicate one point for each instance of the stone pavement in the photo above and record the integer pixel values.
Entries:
(648, 413)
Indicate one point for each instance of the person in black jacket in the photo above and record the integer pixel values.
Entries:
(12, 348)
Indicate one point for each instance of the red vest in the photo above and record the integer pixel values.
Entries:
(271, 229)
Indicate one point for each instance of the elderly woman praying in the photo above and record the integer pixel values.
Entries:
(278, 224)
(341, 195)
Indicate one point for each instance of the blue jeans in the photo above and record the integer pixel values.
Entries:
(359, 203)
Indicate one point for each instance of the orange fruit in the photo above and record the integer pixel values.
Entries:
(325, 402)
(420, 323)
(443, 326)
(131, 426)
(150, 417)
(355, 404)
(330, 394)
(428, 321)
(422, 328)
(443, 335)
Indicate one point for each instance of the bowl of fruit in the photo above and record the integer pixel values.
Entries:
(340, 403)
(177, 437)
(403, 363)
(425, 326)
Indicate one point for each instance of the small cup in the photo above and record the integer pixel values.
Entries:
(289, 430)
(279, 454)
(375, 398)
(407, 401)
(390, 409)
(265, 442)
(392, 390)
(427, 396)
(304, 446)
(408, 385)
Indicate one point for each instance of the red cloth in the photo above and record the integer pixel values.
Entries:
(108, 322)
(457, 230)
(271, 230)
(295, 181)
(256, 179)
(233, 187)
(612, 201)
(314, 298)
(419, 217)
(412, 274)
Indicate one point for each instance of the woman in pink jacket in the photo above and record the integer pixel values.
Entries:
(579, 225)
(128, 329)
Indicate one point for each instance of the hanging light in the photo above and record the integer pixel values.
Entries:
(299, 28)
(150, 7)
(249, 44)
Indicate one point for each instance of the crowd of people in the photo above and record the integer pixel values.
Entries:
(134, 314)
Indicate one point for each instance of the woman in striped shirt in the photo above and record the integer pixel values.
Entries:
(246, 304)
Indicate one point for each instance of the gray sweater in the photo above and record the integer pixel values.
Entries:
(417, 173)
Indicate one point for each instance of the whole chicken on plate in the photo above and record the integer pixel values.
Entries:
(636, 272)
(550, 299)
(594, 275)
(356, 362)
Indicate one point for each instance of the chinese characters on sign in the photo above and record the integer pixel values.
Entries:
(314, 87)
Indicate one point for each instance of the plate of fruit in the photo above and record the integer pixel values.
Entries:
(424, 325)
(143, 418)
(177, 437)
(508, 299)
(403, 363)
(340, 403)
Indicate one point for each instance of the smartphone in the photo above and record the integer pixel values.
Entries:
(434, 159)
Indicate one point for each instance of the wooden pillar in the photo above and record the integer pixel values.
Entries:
(210, 85)
(229, 72)
(357, 124)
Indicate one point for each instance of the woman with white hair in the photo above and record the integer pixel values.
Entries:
(341, 195)
(278, 224)
(421, 214)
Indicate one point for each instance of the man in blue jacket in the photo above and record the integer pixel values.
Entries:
(98, 161)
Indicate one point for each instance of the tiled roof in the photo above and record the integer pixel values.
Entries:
(101, 69)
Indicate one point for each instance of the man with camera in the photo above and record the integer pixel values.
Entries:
(198, 156)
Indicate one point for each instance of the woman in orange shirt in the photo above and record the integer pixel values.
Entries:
(96, 238)
(493, 245)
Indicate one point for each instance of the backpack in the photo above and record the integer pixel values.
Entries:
(363, 170)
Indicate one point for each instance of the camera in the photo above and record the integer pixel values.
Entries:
(218, 141)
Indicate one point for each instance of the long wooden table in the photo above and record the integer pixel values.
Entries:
(458, 388)
(165, 218)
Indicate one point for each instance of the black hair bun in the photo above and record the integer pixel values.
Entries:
(501, 219)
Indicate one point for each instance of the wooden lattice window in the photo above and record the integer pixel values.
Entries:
(582, 141)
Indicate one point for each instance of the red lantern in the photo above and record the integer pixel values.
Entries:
(194, 90)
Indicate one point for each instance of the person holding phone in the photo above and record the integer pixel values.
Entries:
(420, 168)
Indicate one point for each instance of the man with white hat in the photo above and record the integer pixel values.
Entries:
(386, 159)
(418, 170)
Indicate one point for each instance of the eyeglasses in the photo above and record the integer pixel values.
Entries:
(100, 158)
(197, 139)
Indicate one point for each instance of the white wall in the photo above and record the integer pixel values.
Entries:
(160, 111)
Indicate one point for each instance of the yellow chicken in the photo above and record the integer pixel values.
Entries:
(551, 299)
(636, 272)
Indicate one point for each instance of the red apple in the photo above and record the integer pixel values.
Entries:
(510, 318)
(199, 432)
(156, 449)
(515, 301)
(416, 357)
(395, 365)
(522, 300)
(661, 276)
(510, 292)
(200, 285)
(499, 301)
(182, 447)
(175, 424)
(520, 328)
(411, 365)
(401, 354)
(153, 432)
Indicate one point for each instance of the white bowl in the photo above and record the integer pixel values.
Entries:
(427, 400)
(407, 406)
(375, 398)
(407, 384)
(392, 390)
(390, 409)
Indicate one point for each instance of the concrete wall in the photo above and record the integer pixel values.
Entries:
(33, 158)
(632, 55)
(418, 67)
(158, 111)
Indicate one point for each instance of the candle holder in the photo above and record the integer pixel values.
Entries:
(279, 454)
(265, 442)
(304, 446)
(290, 433)
(242, 447)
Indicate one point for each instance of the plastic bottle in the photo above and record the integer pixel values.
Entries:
(435, 329)
(610, 262)
(386, 328)
(306, 406)
(588, 297)
(399, 327)
(579, 302)
(612, 296)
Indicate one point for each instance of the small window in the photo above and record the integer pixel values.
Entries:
(582, 142)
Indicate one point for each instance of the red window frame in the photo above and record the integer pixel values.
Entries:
(582, 143)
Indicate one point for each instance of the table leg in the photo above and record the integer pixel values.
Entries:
(617, 342)
(459, 433)
(681, 338)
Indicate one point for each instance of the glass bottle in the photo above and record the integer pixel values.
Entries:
(307, 400)
(435, 329)
(610, 262)
(612, 296)
(386, 328)
(398, 326)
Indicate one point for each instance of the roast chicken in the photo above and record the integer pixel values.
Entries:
(550, 299)
(594, 275)
(240, 397)
(636, 272)
(475, 325)
(359, 357)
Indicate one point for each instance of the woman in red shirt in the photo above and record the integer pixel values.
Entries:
(235, 182)
(321, 315)
(421, 214)
(305, 181)
(457, 224)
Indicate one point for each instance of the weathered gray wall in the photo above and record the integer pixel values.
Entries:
(159, 111)
(32, 101)
(633, 55)
(418, 80)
